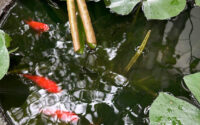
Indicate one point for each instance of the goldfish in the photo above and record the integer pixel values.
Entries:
(38, 26)
(44, 83)
(65, 116)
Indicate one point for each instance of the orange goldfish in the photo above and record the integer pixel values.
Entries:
(44, 83)
(65, 116)
(38, 26)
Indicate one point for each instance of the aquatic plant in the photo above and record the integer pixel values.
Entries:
(83, 27)
(153, 9)
(167, 109)
(139, 52)
(4, 54)
(74, 71)
(5, 41)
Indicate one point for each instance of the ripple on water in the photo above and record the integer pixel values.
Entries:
(93, 85)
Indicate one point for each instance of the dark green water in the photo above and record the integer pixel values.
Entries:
(94, 85)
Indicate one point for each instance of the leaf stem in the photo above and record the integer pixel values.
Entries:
(138, 53)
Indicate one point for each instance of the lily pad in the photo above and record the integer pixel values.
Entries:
(192, 81)
(123, 7)
(153, 9)
(163, 9)
(169, 110)
(197, 2)
(4, 55)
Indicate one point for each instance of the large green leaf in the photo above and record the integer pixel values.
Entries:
(163, 9)
(153, 9)
(122, 7)
(193, 83)
(197, 2)
(4, 55)
(169, 110)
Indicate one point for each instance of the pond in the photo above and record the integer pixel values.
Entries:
(94, 84)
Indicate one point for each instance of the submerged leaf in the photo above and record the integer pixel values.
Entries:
(8, 39)
(139, 52)
(4, 55)
(169, 110)
(123, 7)
(192, 82)
(162, 9)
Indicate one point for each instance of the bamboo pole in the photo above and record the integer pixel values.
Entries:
(89, 31)
(73, 24)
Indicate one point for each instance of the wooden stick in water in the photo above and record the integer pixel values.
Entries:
(89, 31)
(73, 24)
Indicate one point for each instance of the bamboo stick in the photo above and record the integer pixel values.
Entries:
(89, 31)
(73, 24)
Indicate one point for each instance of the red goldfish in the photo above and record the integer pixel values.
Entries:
(44, 83)
(65, 116)
(37, 26)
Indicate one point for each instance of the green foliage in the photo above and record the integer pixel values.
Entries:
(163, 9)
(4, 55)
(167, 109)
(123, 7)
(192, 82)
(8, 39)
(153, 9)
(197, 2)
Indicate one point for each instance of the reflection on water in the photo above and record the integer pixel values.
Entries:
(94, 86)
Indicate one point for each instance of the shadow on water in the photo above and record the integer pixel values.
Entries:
(94, 85)
(13, 92)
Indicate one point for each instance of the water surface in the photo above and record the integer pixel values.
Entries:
(94, 84)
